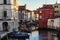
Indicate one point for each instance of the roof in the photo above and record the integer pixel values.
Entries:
(48, 6)
(35, 11)
(28, 10)
(22, 7)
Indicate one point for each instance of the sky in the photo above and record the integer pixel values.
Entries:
(34, 4)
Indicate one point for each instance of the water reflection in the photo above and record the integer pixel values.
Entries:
(45, 35)
(34, 35)
(42, 35)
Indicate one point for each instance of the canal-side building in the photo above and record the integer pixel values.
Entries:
(46, 12)
(54, 23)
(56, 9)
(36, 15)
(21, 12)
(7, 15)
(24, 14)
(14, 7)
(28, 15)
(33, 16)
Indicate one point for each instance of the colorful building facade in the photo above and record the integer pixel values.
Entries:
(46, 12)
(21, 12)
(36, 15)
(56, 9)
(8, 17)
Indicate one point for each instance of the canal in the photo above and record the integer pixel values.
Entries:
(41, 35)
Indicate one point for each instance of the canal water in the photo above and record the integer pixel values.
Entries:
(42, 35)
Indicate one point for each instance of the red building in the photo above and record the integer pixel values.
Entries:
(45, 13)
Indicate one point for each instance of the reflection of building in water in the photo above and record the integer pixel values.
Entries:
(34, 35)
(46, 35)
(43, 35)
(52, 36)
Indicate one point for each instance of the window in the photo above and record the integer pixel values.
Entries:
(56, 6)
(50, 13)
(40, 17)
(5, 14)
(5, 1)
(52, 20)
(5, 26)
(40, 11)
(8, 2)
(23, 11)
(56, 11)
(19, 11)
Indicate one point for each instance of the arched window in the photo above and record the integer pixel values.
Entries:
(5, 26)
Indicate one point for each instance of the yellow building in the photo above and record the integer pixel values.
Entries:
(36, 15)
(29, 15)
(14, 7)
(56, 9)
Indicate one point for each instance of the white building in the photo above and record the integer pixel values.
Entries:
(21, 11)
(28, 15)
(8, 15)
(33, 16)
(54, 23)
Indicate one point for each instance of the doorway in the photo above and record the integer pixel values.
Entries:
(5, 26)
